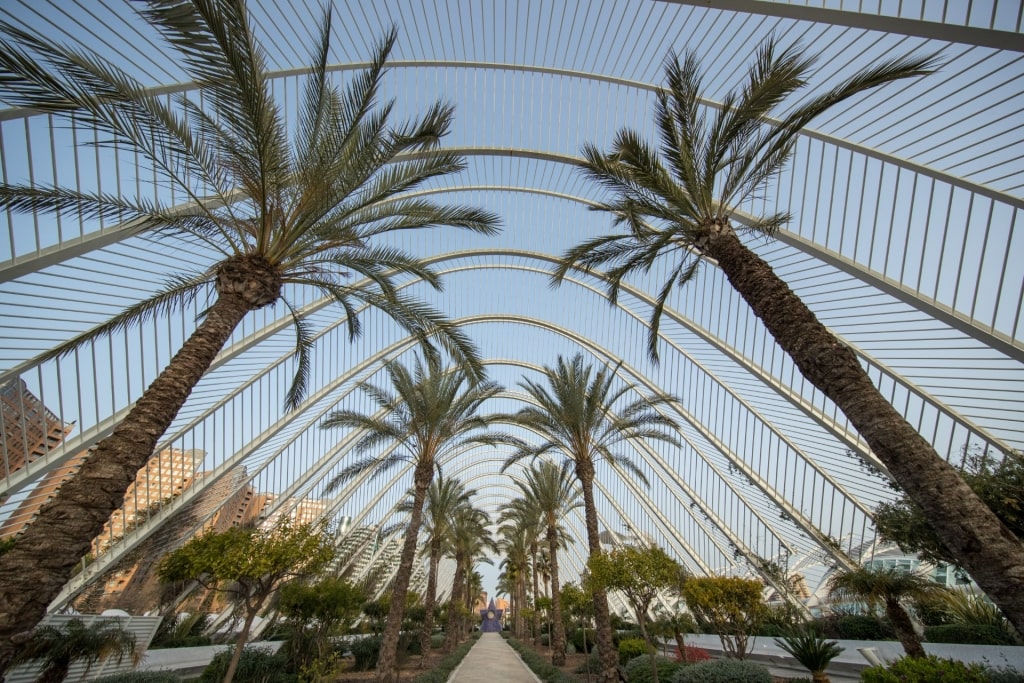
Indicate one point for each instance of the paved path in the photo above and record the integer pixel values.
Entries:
(492, 661)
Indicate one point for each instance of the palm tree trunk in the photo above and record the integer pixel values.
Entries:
(451, 628)
(904, 629)
(536, 592)
(33, 572)
(387, 664)
(977, 539)
(430, 599)
(602, 616)
(558, 636)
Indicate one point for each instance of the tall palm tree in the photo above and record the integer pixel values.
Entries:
(56, 648)
(676, 203)
(523, 513)
(425, 412)
(888, 587)
(552, 492)
(516, 534)
(286, 203)
(444, 498)
(470, 536)
(581, 416)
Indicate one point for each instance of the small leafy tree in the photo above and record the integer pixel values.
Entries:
(251, 564)
(732, 606)
(998, 481)
(638, 573)
(56, 648)
(316, 612)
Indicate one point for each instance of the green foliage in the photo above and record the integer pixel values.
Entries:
(723, 671)
(731, 606)
(1004, 674)
(544, 670)
(632, 647)
(638, 669)
(976, 634)
(444, 669)
(975, 609)
(436, 641)
(257, 665)
(582, 640)
(813, 652)
(182, 630)
(998, 481)
(315, 612)
(365, 652)
(855, 627)
(140, 677)
(930, 669)
(56, 648)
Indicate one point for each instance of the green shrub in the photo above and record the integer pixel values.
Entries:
(975, 634)
(140, 677)
(365, 652)
(1004, 674)
(723, 671)
(930, 669)
(437, 641)
(638, 669)
(256, 665)
(544, 670)
(576, 638)
(444, 669)
(854, 627)
(630, 648)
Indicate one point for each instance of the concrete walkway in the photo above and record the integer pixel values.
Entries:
(492, 661)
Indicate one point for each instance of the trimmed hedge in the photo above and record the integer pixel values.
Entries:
(140, 677)
(256, 665)
(544, 669)
(972, 634)
(444, 669)
(638, 669)
(723, 671)
(925, 670)
(630, 648)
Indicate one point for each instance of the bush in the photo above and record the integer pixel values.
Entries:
(930, 669)
(638, 670)
(544, 670)
(448, 664)
(630, 648)
(724, 671)
(257, 665)
(576, 638)
(365, 652)
(437, 641)
(692, 655)
(144, 677)
(854, 627)
(1005, 674)
(975, 634)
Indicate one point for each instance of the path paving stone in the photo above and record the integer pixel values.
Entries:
(492, 661)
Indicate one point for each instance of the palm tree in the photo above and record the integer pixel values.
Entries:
(57, 648)
(813, 652)
(522, 512)
(426, 412)
(286, 203)
(551, 491)
(888, 587)
(444, 498)
(470, 537)
(516, 536)
(676, 202)
(580, 416)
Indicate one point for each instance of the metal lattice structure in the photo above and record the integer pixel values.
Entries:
(907, 242)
